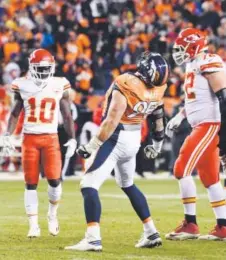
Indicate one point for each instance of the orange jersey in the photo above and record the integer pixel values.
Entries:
(141, 100)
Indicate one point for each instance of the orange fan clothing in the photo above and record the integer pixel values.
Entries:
(10, 48)
(164, 8)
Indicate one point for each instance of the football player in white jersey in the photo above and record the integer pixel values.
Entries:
(205, 105)
(41, 95)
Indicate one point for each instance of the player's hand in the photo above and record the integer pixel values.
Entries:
(8, 146)
(173, 124)
(152, 151)
(71, 146)
(85, 151)
(82, 151)
(223, 163)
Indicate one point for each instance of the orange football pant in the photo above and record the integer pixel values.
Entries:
(41, 149)
(199, 151)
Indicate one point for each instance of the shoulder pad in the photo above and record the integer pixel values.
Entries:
(17, 84)
(211, 63)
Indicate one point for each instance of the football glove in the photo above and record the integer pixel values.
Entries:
(85, 151)
(8, 146)
(71, 146)
(174, 123)
(152, 151)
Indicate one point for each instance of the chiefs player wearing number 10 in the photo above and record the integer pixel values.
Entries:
(205, 109)
(41, 95)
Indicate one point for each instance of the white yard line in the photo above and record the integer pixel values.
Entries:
(14, 176)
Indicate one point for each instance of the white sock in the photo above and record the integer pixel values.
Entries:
(52, 211)
(31, 206)
(149, 227)
(94, 231)
(217, 200)
(188, 195)
(54, 195)
(33, 220)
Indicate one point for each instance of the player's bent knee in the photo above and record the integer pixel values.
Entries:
(124, 183)
(31, 186)
(178, 170)
(208, 182)
(54, 183)
(54, 193)
(89, 182)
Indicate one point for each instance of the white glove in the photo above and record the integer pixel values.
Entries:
(8, 146)
(152, 151)
(71, 146)
(223, 163)
(85, 151)
(174, 123)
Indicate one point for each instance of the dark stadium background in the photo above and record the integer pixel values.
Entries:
(93, 41)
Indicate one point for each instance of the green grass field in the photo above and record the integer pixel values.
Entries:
(120, 226)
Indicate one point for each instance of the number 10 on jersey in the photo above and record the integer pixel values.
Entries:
(41, 117)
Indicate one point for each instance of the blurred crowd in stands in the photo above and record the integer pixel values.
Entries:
(93, 41)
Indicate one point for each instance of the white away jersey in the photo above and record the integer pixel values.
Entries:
(41, 105)
(201, 104)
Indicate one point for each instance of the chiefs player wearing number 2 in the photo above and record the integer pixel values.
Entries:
(41, 95)
(205, 105)
(130, 99)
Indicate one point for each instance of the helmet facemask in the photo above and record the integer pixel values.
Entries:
(41, 72)
(179, 54)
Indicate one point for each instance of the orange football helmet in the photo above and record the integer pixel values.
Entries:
(188, 44)
(41, 66)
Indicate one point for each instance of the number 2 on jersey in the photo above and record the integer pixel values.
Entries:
(189, 85)
(33, 118)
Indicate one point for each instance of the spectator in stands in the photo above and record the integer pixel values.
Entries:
(11, 47)
(93, 41)
(84, 76)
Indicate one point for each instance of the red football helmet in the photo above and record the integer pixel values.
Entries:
(41, 66)
(188, 44)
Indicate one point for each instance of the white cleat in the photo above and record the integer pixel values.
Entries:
(181, 236)
(53, 225)
(34, 231)
(211, 238)
(151, 241)
(86, 244)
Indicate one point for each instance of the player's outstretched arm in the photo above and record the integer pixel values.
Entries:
(157, 123)
(15, 112)
(175, 122)
(115, 112)
(68, 124)
(216, 81)
(8, 146)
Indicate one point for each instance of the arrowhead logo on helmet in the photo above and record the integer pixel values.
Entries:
(189, 43)
(41, 67)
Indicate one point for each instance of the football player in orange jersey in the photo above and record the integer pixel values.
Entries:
(41, 95)
(130, 99)
(205, 109)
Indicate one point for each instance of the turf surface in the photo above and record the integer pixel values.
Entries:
(120, 226)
